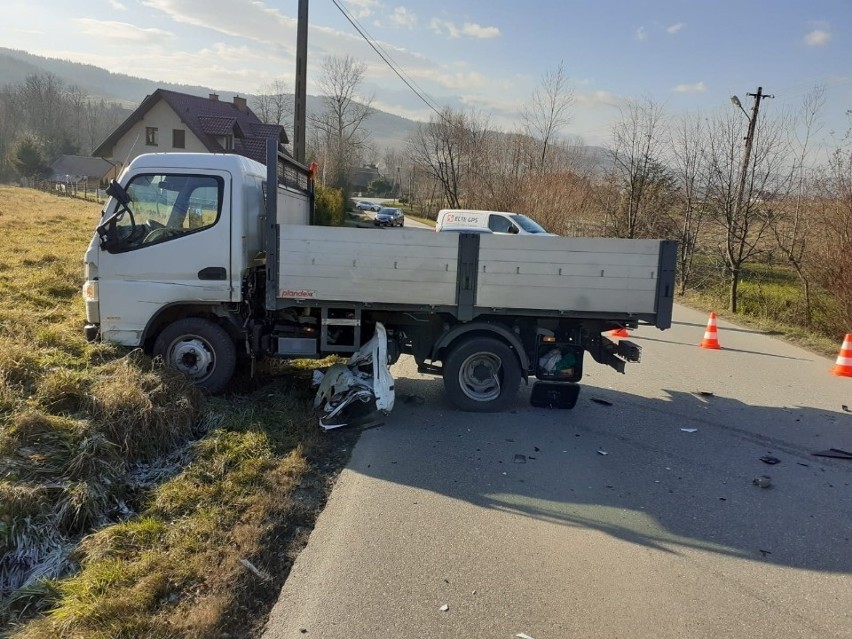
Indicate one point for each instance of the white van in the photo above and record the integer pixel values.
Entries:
(500, 222)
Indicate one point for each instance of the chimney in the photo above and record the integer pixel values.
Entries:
(214, 97)
(240, 103)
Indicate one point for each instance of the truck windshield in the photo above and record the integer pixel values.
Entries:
(527, 224)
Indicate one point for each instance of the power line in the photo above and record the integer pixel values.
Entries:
(392, 64)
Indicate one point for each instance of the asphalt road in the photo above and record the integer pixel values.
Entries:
(519, 523)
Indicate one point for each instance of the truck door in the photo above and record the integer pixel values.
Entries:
(174, 247)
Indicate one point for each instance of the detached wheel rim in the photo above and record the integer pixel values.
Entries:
(194, 357)
(479, 377)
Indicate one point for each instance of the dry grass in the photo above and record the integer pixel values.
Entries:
(128, 507)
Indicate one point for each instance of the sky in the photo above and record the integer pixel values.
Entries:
(485, 55)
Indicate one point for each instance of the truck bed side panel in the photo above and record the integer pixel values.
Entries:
(369, 266)
(596, 275)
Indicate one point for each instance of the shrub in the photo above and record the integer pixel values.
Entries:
(329, 209)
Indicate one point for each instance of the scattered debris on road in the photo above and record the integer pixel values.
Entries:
(765, 552)
(769, 459)
(689, 430)
(603, 452)
(257, 572)
(704, 393)
(411, 398)
(522, 635)
(602, 402)
(835, 453)
(520, 459)
(764, 481)
(444, 608)
(846, 408)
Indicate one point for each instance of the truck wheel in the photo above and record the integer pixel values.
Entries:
(200, 349)
(482, 375)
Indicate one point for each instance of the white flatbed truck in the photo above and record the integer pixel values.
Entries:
(206, 259)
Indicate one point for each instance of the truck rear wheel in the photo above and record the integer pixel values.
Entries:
(482, 375)
(200, 349)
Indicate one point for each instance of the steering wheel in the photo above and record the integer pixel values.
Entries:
(160, 233)
(154, 224)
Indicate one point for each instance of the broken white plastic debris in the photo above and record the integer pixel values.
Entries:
(522, 635)
(602, 452)
(444, 608)
(689, 430)
(345, 386)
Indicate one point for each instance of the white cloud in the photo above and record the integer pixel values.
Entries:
(122, 31)
(478, 31)
(364, 8)
(641, 34)
(676, 27)
(403, 17)
(698, 87)
(115, 4)
(595, 99)
(241, 18)
(817, 38)
(471, 29)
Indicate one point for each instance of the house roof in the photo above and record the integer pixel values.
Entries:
(207, 118)
(79, 166)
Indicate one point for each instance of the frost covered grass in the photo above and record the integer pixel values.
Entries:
(129, 504)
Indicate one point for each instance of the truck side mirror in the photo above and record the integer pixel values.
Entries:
(117, 191)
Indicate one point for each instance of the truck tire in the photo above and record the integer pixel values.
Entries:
(482, 375)
(200, 349)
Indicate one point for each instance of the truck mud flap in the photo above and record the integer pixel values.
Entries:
(554, 394)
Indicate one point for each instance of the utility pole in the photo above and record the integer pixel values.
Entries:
(749, 140)
(299, 115)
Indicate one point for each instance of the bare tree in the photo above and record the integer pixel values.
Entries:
(832, 268)
(444, 149)
(9, 127)
(273, 104)
(635, 154)
(744, 227)
(793, 226)
(341, 122)
(45, 102)
(549, 110)
(687, 164)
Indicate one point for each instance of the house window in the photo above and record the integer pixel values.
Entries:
(151, 135)
(179, 138)
(229, 143)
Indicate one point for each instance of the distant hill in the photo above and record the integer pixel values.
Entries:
(388, 130)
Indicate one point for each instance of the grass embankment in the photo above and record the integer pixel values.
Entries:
(770, 299)
(129, 505)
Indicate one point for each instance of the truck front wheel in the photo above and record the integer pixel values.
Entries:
(200, 349)
(482, 375)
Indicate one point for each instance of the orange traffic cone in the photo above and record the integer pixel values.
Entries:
(619, 332)
(711, 339)
(843, 367)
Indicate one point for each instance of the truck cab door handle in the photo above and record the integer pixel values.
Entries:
(213, 273)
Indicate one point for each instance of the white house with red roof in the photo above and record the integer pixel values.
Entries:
(172, 121)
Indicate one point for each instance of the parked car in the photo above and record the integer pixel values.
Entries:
(367, 206)
(389, 216)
